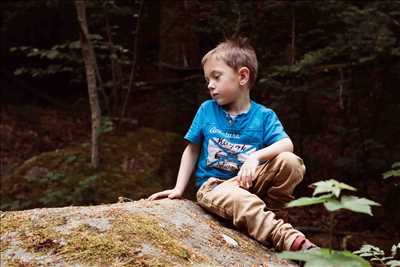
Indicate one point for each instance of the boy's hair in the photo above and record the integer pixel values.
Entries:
(236, 53)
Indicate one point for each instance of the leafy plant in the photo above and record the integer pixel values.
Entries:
(66, 57)
(326, 257)
(393, 172)
(392, 198)
(375, 254)
(328, 193)
(107, 125)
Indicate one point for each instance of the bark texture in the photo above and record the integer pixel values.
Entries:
(90, 67)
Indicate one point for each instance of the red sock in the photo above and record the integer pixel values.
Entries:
(302, 243)
(298, 243)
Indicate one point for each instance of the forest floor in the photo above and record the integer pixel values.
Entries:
(29, 131)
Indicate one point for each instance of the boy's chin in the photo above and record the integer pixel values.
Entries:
(221, 102)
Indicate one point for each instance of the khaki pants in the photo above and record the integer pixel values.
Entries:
(252, 209)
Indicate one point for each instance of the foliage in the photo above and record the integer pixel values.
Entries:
(392, 198)
(67, 57)
(326, 258)
(375, 254)
(107, 125)
(328, 193)
(394, 172)
(349, 35)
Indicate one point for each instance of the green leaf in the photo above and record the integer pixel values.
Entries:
(356, 204)
(391, 173)
(326, 258)
(52, 54)
(369, 251)
(393, 263)
(395, 248)
(331, 186)
(353, 203)
(333, 205)
(396, 165)
(306, 201)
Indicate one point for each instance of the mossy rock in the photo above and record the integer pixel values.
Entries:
(133, 165)
(141, 233)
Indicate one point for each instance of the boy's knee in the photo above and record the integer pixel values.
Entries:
(288, 163)
(289, 160)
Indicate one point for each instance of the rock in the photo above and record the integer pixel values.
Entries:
(142, 233)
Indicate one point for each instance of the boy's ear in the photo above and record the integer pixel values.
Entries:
(244, 75)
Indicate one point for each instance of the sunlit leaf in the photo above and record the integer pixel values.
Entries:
(331, 186)
(393, 263)
(395, 248)
(333, 205)
(326, 258)
(306, 201)
(369, 251)
(356, 204)
(391, 173)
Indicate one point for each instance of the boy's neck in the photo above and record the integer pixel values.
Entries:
(241, 105)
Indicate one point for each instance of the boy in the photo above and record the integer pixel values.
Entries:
(246, 170)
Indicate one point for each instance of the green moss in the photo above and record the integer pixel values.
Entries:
(86, 245)
(122, 242)
(11, 221)
(133, 165)
(19, 263)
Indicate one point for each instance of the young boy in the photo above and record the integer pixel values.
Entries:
(246, 170)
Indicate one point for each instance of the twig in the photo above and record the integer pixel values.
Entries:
(133, 70)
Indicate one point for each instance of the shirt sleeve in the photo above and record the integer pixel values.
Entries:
(194, 134)
(273, 129)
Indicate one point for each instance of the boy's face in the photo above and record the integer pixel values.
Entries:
(222, 81)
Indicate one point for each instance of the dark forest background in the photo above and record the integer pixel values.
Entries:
(330, 70)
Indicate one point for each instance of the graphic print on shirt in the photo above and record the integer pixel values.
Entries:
(227, 156)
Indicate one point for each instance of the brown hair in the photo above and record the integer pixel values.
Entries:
(236, 53)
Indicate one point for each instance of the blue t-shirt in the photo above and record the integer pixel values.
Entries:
(225, 140)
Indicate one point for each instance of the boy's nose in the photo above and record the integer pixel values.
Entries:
(211, 86)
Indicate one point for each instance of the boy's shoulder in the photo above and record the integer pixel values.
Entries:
(263, 110)
(208, 103)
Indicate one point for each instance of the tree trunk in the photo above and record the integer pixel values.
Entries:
(88, 57)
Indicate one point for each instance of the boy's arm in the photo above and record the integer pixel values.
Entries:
(188, 163)
(271, 151)
(246, 174)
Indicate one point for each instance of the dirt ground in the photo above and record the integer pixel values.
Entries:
(28, 131)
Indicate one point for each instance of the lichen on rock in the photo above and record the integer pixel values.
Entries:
(141, 233)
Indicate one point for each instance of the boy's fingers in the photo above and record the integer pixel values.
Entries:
(157, 195)
(248, 182)
(153, 196)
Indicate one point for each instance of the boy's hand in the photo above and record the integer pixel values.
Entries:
(247, 172)
(170, 193)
